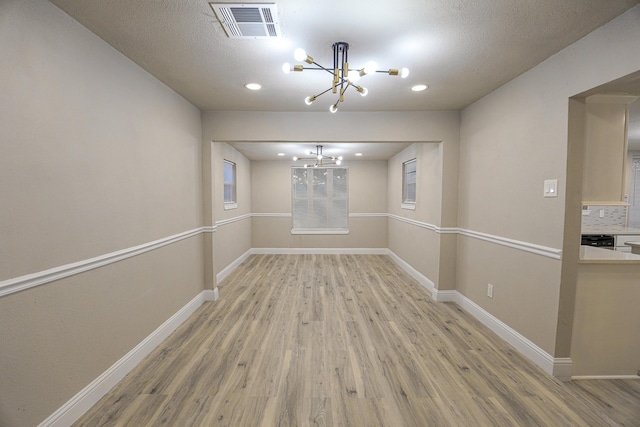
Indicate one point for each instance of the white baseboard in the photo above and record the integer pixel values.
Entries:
(68, 413)
(445, 296)
(210, 294)
(86, 398)
(422, 279)
(558, 367)
(605, 377)
(229, 268)
(562, 368)
(437, 295)
(320, 251)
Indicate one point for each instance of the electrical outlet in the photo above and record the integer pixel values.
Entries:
(490, 290)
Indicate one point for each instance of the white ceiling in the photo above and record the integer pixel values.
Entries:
(462, 49)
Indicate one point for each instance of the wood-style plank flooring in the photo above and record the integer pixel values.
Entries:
(346, 340)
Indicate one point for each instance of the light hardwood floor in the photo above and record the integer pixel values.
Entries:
(346, 340)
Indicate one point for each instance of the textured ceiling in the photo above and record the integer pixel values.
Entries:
(462, 49)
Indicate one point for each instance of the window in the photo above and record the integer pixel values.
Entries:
(230, 201)
(320, 200)
(409, 184)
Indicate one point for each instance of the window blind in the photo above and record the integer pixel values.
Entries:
(229, 182)
(320, 200)
(409, 181)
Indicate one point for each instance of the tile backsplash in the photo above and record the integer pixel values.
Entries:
(612, 215)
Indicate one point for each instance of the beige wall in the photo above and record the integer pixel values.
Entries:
(428, 186)
(271, 184)
(90, 164)
(224, 152)
(59, 337)
(347, 126)
(511, 141)
(606, 336)
(440, 183)
(605, 149)
(231, 239)
(93, 164)
(518, 280)
(420, 245)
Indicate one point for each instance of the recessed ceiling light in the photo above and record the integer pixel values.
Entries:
(280, 154)
(358, 154)
(253, 86)
(419, 88)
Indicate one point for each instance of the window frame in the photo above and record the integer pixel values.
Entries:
(232, 202)
(408, 203)
(310, 197)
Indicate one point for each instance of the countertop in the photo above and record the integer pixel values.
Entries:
(635, 246)
(593, 255)
(610, 229)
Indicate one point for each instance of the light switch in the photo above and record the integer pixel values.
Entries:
(551, 188)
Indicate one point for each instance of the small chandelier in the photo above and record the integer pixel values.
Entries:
(319, 158)
(343, 76)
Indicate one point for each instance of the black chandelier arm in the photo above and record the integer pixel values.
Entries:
(323, 92)
(320, 68)
(340, 73)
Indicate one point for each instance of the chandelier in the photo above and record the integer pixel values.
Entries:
(343, 77)
(319, 158)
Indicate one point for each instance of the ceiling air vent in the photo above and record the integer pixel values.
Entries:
(248, 21)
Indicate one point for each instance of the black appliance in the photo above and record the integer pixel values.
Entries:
(606, 241)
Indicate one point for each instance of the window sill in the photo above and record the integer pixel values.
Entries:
(319, 231)
(410, 206)
(229, 206)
